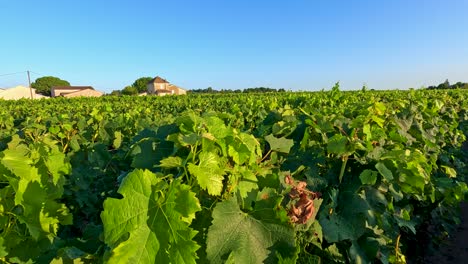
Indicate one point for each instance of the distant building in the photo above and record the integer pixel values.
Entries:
(161, 87)
(20, 92)
(75, 91)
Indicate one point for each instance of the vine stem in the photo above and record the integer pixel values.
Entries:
(343, 167)
(397, 246)
(266, 155)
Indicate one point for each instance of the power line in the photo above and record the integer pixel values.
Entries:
(40, 74)
(6, 74)
(11, 73)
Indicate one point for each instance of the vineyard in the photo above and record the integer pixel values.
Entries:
(323, 177)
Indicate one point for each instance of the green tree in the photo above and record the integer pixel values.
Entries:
(444, 85)
(130, 90)
(116, 93)
(140, 84)
(43, 85)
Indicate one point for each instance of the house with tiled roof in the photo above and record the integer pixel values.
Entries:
(75, 91)
(160, 86)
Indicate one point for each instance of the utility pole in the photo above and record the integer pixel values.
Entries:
(30, 88)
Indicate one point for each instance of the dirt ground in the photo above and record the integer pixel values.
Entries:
(455, 250)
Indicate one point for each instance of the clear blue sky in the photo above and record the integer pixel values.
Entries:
(298, 45)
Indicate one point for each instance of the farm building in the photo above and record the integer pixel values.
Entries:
(75, 91)
(161, 87)
(19, 92)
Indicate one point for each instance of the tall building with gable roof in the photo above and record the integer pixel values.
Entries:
(160, 86)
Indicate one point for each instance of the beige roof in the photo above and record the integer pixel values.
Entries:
(62, 90)
(158, 79)
(19, 92)
(175, 86)
(85, 93)
(73, 87)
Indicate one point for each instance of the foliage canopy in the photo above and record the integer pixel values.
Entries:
(43, 85)
(325, 177)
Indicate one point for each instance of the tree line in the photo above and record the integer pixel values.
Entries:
(139, 86)
(447, 85)
(248, 90)
(43, 85)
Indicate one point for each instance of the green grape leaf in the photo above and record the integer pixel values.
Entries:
(282, 145)
(209, 172)
(117, 139)
(238, 152)
(337, 144)
(17, 161)
(186, 203)
(244, 149)
(403, 221)
(451, 172)
(32, 196)
(252, 144)
(151, 223)
(357, 254)
(347, 222)
(384, 171)
(368, 177)
(267, 207)
(336, 228)
(335, 253)
(189, 139)
(57, 165)
(216, 127)
(37, 188)
(71, 255)
(172, 162)
(74, 143)
(41, 214)
(188, 122)
(380, 122)
(241, 238)
(246, 180)
(3, 249)
(149, 152)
